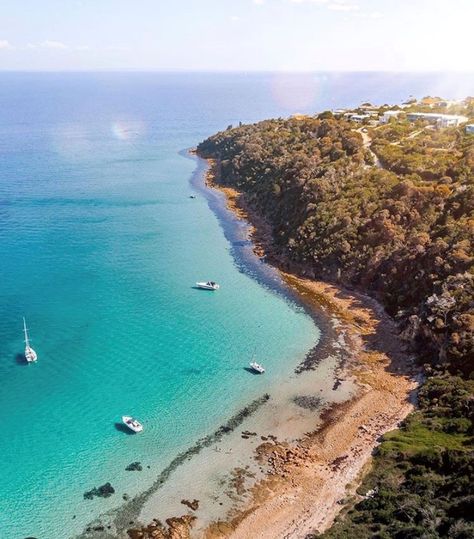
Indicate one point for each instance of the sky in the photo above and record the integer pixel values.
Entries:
(237, 35)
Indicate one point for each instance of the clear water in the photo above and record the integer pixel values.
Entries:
(100, 245)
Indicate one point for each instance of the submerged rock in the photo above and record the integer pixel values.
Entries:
(104, 491)
(194, 505)
(134, 467)
(308, 402)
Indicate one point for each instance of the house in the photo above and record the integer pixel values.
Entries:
(445, 103)
(359, 118)
(440, 120)
(388, 115)
(470, 129)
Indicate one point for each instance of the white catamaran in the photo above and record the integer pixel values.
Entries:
(30, 354)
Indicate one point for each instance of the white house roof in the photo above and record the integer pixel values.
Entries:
(435, 116)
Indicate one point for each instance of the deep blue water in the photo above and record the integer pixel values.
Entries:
(100, 245)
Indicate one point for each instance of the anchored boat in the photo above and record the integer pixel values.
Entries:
(30, 354)
(208, 285)
(132, 424)
(257, 367)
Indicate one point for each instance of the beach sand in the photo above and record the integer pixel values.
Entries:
(287, 469)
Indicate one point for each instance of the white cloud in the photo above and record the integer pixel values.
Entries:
(343, 7)
(309, 1)
(48, 44)
(334, 5)
(51, 44)
(235, 18)
(5, 45)
(259, 2)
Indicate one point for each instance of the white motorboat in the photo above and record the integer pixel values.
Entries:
(132, 424)
(257, 367)
(30, 354)
(207, 285)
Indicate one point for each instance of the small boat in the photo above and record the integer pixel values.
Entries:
(132, 424)
(192, 196)
(208, 285)
(257, 367)
(30, 354)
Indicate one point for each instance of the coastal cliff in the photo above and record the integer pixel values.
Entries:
(401, 232)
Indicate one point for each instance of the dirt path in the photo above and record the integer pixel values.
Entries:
(367, 141)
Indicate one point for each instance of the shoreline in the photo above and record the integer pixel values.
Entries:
(292, 461)
(223, 483)
(305, 491)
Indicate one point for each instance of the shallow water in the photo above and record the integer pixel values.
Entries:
(100, 247)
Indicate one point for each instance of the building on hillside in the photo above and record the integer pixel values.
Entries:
(440, 120)
(388, 115)
(470, 129)
(445, 103)
(359, 118)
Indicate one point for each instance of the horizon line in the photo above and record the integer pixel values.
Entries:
(239, 71)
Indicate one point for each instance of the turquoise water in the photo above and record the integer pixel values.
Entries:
(100, 245)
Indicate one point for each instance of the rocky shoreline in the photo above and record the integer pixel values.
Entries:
(308, 480)
(314, 472)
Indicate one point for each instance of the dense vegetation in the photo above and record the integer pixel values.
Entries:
(430, 153)
(422, 483)
(404, 233)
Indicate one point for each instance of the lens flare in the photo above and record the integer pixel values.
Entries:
(128, 129)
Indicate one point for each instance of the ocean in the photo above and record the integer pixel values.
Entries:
(100, 246)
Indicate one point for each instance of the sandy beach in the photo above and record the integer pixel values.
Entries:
(286, 471)
(308, 482)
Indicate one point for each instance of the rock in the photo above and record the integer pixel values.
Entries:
(176, 528)
(309, 402)
(134, 467)
(194, 505)
(104, 491)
